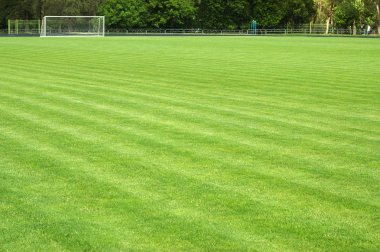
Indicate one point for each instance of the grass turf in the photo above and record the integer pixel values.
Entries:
(190, 143)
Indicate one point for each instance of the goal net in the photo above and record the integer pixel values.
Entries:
(81, 26)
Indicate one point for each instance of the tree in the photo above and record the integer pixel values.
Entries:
(20, 9)
(378, 16)
(210, 14)
(269, 14)
(222, 14)
(326, 11)
(353, 13)
(90, 7)
(70, 7)
(298, 12)
(126, 14)
(171, 13)
(374, 7)
(347, 14)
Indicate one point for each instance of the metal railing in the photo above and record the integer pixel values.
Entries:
(200, 32)
(204, 32)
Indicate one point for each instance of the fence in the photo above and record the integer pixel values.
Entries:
(33, 28)
(16, 27)
(209, 32)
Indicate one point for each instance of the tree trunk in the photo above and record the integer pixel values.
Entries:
(319, 12)
(354, 28)
(378, 17)
(330, 15)
(327, 25)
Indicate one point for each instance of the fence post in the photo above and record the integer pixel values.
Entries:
(16, 26)
(9, 27)
(311, 27)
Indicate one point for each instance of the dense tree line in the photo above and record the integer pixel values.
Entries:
(208, 14)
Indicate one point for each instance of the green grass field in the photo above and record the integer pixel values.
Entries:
(190, 144)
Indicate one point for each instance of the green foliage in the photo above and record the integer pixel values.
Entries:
(70, 7)
(125, 13)
(210, 14)
(358, 13)
(171, 13)
(269, 14)
(19, 9)
(153, 13)
(298, 12)
(348, 13)
(237, 14)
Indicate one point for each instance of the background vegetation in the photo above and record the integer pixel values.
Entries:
(207, 14)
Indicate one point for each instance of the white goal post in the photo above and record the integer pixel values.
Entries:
(73, 26)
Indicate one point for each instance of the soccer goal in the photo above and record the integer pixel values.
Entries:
(73, 26)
